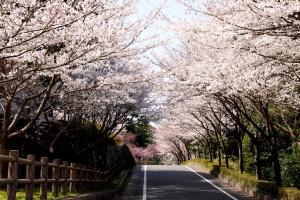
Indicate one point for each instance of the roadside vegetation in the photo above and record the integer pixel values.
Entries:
(246, 180)
(21, 195)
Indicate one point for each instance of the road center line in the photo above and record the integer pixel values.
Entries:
(145, 183)
(226, 193)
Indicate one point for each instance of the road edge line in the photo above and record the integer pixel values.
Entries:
(145, 183)
(226, 193)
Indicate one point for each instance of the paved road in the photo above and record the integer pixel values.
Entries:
(157, 182)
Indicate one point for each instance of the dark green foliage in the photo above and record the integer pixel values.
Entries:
(290, 167)
(79, 143)
(249, 161)
(141, 127)
(290, 161)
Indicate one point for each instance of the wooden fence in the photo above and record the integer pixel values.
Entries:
(60, 175)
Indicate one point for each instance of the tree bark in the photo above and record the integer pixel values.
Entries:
(226, 160)
(277, 168)
(210, 153)
(3, 151)
(258, 163)
(36, 115)
(241, 157)
(274, 154)
(219, 156)
(273, 143)
(225, 152)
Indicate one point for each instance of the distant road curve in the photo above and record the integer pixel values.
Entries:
(166, 182)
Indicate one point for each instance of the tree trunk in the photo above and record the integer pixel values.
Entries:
(205, 153)
(195, 153)
(258, 163)
(277, 169)
(274, 154)
(241, 157)
(225, 153)
(210, 153)
(189, 155)
(105, 156)
(226, 160)
(219, 156)
(3, 151)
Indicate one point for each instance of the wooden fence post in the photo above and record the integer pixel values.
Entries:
(12, 174)
(95, 177)
(84, 175)
(65, 177)
(73, 178)
(107, 172)
(87, 177)
(44, 175)
(55, 177)
(80, 177)
(103, 177)
(30, 172)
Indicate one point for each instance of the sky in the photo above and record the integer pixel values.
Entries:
(171, 9)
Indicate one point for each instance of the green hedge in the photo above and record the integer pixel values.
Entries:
(249, 181)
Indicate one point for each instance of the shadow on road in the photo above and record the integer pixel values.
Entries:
(174, 183)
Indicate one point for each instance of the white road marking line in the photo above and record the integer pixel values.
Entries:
(229, 195)
(145, 183)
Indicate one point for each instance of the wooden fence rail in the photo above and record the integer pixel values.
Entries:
(64, 177)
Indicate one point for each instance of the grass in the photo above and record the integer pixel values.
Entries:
(36, 195)
(247, 180)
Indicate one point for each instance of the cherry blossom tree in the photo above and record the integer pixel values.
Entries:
(173, 142)
(237, 72)
(140, 154)
(51, 49)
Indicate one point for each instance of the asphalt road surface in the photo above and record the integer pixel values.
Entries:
(162, 182)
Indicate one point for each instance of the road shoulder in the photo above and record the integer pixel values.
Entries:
(224, 186)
